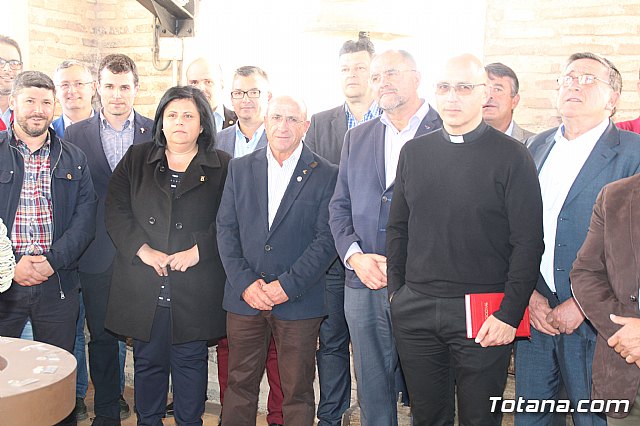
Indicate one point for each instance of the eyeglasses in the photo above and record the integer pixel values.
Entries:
(78, 85)
(583, 80)
(14, 64)
(389, 74)
(277, 119)
(462, 89)
(239, 94)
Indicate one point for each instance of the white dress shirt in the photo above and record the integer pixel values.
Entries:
(394, 140)
(566, 159)
(278, 178)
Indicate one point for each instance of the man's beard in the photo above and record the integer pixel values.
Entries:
(33, 130)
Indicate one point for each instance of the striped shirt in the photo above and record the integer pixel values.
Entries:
(115, 143)
(278, 178)
(32, 232)
(373, 112)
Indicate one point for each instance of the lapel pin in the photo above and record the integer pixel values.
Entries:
(299, 178)
(142, 130)
(304, 172)
(69, 176)
(313, 165)
(203, 178)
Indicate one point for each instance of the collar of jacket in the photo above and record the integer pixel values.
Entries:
(203, 157)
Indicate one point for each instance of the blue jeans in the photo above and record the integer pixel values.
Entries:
(333, 357)
(52, 317)
(375, 358)
(540, 364)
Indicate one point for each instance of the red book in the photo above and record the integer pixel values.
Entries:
(480, 306)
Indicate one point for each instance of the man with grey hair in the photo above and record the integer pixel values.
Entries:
(275, 282)
(359, 211)
(10, 66)
(574, 160)
(76, 88)
(502, 100)
(250, 95)
(49, 206)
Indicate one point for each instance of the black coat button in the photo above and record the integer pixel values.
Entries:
(179, 225)
(152, 220)
(267, 247)
(162, 169)
(384, 199)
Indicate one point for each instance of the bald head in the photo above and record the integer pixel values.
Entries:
(460, 93)
(207, 77)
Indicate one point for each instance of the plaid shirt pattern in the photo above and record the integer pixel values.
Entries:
(32, 232)
(373, 112)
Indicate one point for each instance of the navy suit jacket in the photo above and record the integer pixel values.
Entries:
(296, 250)
(616, 155)
(86, 135)
(227, 140)
(359, 209)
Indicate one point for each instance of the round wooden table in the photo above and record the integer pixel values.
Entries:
(37, 383)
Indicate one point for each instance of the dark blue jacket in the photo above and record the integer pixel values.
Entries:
(296, 250)
(73, 198)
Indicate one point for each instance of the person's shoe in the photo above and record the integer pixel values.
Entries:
(81, 409)
(125, 411)
(170, 409)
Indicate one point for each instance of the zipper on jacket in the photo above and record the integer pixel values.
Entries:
(62, 296)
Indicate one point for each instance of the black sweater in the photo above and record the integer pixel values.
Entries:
(466, 218)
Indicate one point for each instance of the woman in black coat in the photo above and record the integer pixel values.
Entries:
(168, 280)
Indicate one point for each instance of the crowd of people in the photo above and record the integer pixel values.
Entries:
(289, 241)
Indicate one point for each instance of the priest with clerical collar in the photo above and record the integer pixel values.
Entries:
(469, 197)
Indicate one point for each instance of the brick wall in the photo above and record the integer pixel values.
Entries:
(536, 38)
(87, 30)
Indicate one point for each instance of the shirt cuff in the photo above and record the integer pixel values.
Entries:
(353, 249)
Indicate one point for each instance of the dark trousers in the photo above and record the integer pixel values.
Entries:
(431, 338)
(274, 401)
(153, 361)
(249, 338)
(53, 317)
(103, 346)
(334, 372)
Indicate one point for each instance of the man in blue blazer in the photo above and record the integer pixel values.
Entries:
(76, 89)
(359, 211)
(574, 162)
(275, 245)
(250, 94)
(99, 137)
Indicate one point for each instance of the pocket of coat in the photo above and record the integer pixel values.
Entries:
(68, 174)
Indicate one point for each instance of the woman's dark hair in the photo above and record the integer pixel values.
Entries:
(207, 138)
